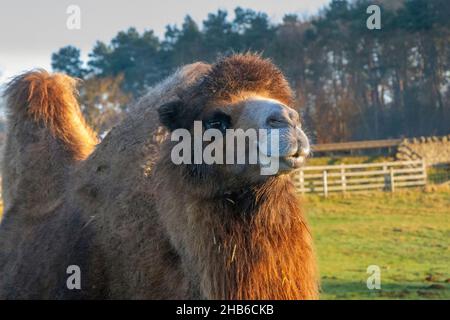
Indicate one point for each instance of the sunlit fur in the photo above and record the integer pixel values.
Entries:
(50, 99)
(248, 240)
(138, 226)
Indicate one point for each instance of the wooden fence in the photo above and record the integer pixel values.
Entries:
(361, 177)
(356, 145)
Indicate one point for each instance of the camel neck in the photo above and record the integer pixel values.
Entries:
(258, 247)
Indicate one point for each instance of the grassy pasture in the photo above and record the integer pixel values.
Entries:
(406, 234)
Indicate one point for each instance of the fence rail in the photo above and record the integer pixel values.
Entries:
(356, 145)
(360, 177)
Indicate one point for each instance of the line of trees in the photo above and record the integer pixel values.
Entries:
(351, 83)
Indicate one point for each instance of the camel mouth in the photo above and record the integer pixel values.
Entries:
(285, 163)
(291, 162)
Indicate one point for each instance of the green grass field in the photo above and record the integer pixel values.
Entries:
(406, 234)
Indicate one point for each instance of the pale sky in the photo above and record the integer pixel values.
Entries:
(30, 31)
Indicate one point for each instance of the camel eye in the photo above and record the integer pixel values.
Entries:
(215, 124)
(219, 121)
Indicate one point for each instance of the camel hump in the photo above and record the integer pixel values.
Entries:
(50, 101)
(46, 135)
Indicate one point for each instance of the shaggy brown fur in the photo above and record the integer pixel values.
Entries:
(51, 100)
(138, 225)
(46, 136)
(244, 73)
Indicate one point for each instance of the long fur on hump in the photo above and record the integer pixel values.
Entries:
(50, 100)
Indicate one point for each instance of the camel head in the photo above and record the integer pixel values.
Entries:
(236, 125)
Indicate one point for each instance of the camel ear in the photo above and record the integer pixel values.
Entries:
(169, 114)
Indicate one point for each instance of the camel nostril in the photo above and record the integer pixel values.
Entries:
(304, 152)
(301, 152)
(297, 154)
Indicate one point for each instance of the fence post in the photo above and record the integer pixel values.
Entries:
(343, 179)
(325, 184)
(424, 169)
(391, 178)
(302, 182)
(386, 178)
